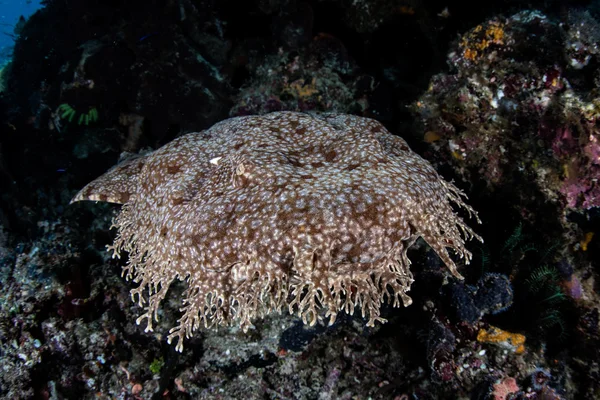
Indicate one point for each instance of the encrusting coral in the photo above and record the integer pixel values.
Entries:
(284, 210)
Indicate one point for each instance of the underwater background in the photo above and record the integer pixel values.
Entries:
(502, 99)
(13, 15)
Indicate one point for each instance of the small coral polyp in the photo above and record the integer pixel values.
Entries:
(310, 213)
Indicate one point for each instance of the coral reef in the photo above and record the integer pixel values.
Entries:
(512, 94)
(502, 99)
(321, 77)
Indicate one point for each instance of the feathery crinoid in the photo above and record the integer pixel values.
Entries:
(308, 213)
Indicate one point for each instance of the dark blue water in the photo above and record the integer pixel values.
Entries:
(10, 11)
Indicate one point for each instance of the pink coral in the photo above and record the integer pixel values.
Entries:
(503, 388)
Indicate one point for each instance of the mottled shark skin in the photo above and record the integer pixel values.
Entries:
(116, 185)
(313, 213)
